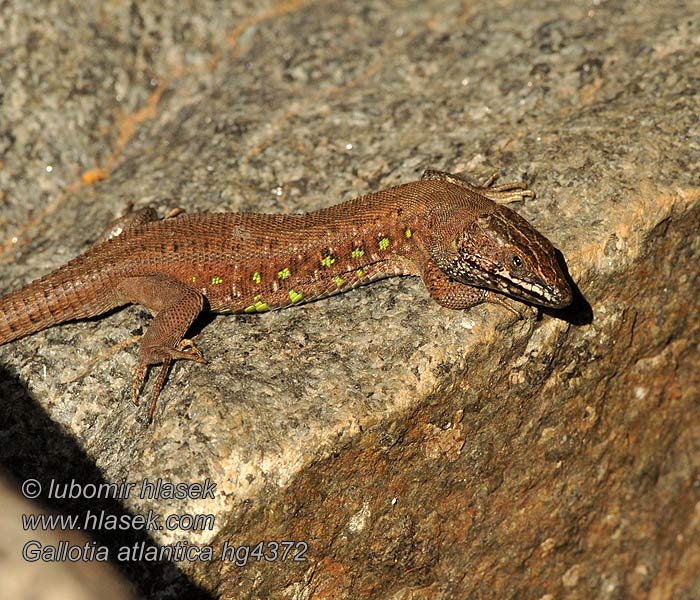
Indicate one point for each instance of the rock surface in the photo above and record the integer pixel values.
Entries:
(419, 452)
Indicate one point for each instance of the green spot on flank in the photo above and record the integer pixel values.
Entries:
(383, 243)
(194, 279)
(358, 253)
(338, 280)
(284, 273)
(360, 272)
(295, 296)
(327, 261)
(257, 306)
(408, 233)
(216, 280)
(256, 277)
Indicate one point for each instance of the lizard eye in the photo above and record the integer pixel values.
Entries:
(517, 261)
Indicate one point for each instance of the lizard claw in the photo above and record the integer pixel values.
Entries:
(174, 212)
(187, 350)
(139, 377)
(501, 301)
(514, 191)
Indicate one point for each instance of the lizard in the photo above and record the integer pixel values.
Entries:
(467, 247)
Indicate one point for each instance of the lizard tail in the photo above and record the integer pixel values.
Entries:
(53, 299)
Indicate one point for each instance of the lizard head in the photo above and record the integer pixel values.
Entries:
(501, 251)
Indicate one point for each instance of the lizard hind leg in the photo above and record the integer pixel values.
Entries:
(129, 220)
(132, 219)
(179, 352)
(176, 306)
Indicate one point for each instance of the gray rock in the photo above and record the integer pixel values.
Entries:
(419, 452)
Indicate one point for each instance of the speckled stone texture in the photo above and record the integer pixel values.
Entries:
(420, 452)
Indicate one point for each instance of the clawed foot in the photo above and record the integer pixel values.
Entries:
(514, 191)
(503, 301)
(185, 350)
(505, 193)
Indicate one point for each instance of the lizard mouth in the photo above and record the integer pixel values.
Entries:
(532, 289)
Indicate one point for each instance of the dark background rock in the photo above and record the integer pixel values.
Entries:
(420, 452)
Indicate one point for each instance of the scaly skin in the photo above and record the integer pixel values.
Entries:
(464, 245)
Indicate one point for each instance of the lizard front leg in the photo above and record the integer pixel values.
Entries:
(176, 306)
(458, 296)
(504, 193)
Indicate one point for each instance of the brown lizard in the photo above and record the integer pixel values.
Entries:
(466, 247)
